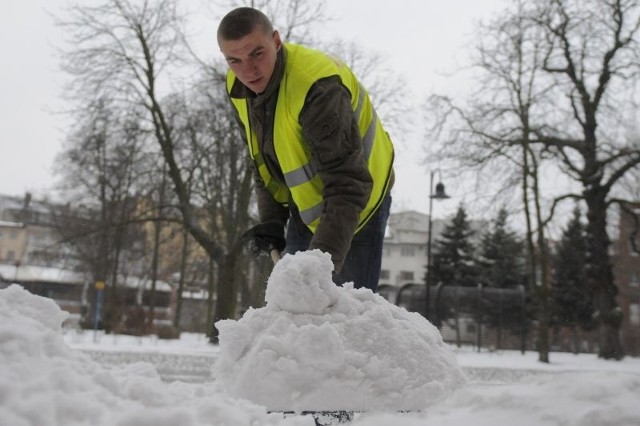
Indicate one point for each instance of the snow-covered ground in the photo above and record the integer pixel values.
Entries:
(190, 358)
(50, 376)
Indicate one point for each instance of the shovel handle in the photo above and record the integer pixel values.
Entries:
(275, 255)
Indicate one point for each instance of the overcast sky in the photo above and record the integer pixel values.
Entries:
(421, 39)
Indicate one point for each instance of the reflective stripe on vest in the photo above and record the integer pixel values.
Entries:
(303, 68)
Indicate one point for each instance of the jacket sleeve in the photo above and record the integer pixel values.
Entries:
(331, 130)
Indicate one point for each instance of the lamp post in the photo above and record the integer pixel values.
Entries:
(439, 195)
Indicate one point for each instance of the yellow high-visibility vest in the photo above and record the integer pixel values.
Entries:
(303, 185)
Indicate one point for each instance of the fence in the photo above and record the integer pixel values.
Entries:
(479, 307)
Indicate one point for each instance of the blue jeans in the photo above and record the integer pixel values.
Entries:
(362, 262)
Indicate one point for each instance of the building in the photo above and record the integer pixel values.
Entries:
(28, 235)
(33, 255)
(404, 256)
(13, 231)
(13, 242)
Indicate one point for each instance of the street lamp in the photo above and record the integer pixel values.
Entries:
(439, 195)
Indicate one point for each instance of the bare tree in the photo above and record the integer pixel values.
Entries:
(492, 133)
(218, 176)
(99, 167)
(593, 53)
(127, 52)
(582, 59)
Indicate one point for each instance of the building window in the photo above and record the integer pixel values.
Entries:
(634, 279)
(407, 251)
(10, 255)
(634, 314)
(384, 274)
(406, 275)
(14, 234)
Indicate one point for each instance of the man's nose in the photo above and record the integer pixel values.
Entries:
(249, 67)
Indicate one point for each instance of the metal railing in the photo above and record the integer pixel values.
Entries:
(499, 308)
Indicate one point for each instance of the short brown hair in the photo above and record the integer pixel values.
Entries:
(242, 21)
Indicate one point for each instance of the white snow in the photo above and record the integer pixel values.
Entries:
(45, 379)
(44, 382)
(325, 347)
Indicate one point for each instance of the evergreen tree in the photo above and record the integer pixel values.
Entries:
(571, 302)
(501, 261)
(453, 262)
(502, 266)
(453, 255)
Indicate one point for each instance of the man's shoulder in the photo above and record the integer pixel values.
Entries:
(310, 65)
(297, 52)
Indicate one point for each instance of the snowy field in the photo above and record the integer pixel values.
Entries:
(50, 376)
(190, 358)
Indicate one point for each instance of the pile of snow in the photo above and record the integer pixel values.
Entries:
(318, 346)
(43, 382)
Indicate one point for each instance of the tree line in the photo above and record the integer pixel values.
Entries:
(494, 257)
(555, 100)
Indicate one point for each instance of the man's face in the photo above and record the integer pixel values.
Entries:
(253, 57)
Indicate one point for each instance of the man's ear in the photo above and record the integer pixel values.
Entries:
(277, 40)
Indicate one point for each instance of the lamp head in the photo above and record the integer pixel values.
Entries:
(440, 194)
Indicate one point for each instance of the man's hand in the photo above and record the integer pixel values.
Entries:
(265, 237)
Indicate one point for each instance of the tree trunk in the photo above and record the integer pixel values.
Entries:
(227, 293)
(575, 337)
(529, 173)
(210, 291)
(114, 320)
(157, 230)
(457, 320)
(600, 276)
(183, 271)
(157, 227)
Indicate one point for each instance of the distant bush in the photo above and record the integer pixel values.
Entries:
(167, 332)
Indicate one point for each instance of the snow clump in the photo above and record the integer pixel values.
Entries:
(319, 346)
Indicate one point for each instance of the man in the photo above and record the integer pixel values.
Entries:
(322, 160)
